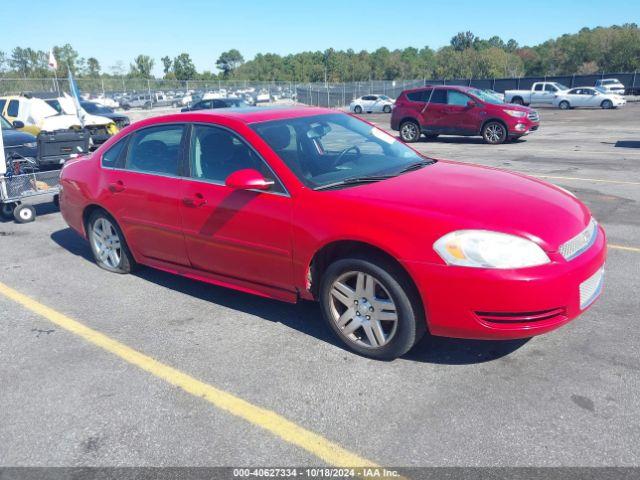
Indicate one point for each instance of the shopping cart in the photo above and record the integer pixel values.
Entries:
(24, 181)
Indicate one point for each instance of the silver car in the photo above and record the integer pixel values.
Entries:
(587, 97)
(371, 104)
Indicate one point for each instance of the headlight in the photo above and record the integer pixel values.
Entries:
(31, 145)
(486, 249)
(516, 113)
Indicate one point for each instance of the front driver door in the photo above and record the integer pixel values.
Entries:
(142, 191)
(244, 235)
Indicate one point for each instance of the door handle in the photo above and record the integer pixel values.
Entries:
(116, 187)
(197, 200)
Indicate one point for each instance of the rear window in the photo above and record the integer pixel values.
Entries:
(420, 96)
(439, 96)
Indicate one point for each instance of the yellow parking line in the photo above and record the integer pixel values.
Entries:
(324, 449)
(619, 182)
(623, 247)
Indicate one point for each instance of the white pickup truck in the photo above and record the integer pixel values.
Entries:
(541, 92)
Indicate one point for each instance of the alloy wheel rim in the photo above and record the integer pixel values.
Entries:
(409, 131)
(494, 133)
(106, 242)
(363, 310)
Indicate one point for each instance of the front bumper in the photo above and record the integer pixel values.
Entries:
(506, 304)
(522, 126)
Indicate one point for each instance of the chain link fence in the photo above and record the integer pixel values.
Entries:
(333, 95)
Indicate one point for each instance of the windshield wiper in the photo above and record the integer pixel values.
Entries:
(416, 166)
(354, 181)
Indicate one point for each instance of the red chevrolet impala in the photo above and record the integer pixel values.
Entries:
(306, 203)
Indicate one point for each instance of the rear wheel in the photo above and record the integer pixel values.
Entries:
(24, 213)
(410, 131)
(494, 133)
(371, 307)
(7, 210)
(386, 109)
(357, 109)
(517, 101)
(564, 105)
(607, 104)
(108, 245)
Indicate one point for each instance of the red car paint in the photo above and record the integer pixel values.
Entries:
(264, 243)
(439, 118)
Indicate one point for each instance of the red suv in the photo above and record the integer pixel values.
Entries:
(452, 110)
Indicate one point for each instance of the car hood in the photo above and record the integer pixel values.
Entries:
(12, 138)
(450, 196)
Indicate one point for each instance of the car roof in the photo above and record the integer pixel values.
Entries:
(252, 114)
(462, 88)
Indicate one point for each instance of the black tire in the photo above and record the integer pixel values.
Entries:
(411, 325)
(410, 131)
(126, 107)
(56, 201)
(517, 101)
(126, 262)
(564, 105)
(24, 213)
(494, 133)
(357, 109)
(607, 104)
(431, 136)
(7, 210)
(386, 109)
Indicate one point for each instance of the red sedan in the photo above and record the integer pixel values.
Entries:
(307, 203)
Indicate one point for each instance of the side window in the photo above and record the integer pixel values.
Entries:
(110, 157)
(156, 150)
(457, 98)
(538, 87)
(13, 108)
(2, 104)
(219, 104)
(216, 153)
(439, 96)
(550, 88)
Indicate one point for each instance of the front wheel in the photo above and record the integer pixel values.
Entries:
(410, 131)
(607, 104)
(357, 109)
(517, 101)
(371, 307)
(108, 244)
(494, 133)
(386, 109)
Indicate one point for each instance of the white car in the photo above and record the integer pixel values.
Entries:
(372, 103)
(611, 85)
(587, 97)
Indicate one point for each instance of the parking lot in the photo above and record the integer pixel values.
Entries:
(155, 369)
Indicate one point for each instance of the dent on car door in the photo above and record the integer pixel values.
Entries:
(244, 235)
(142, 190)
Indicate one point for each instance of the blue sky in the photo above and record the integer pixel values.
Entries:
(119, 30)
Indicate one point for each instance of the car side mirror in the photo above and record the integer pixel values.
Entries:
(248, 179)
(471, 104)
(18, 124)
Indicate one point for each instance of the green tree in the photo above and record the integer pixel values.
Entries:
(229, 61)
(183, 67)
(167, 63)
(93, 67)
(67, 58)
(462, 40)
(141, 67)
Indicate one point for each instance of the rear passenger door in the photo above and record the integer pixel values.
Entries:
(142, 190)
(435, 115)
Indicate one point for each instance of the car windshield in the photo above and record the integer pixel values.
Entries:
(5, 124)
(610, 81)
(95, 108)
(486, 96)
(561, 86)
(326, 150)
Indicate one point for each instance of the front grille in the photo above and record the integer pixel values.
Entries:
(533, 116)
(580, 242)
(522, 317)
(591, 288)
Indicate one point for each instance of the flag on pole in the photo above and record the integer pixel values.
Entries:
(53, 63)
(75, 93)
